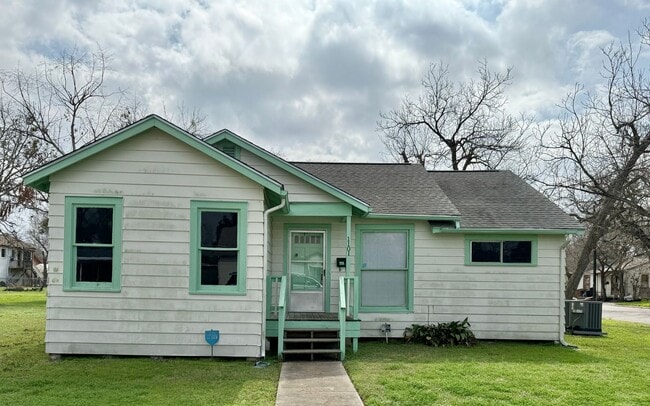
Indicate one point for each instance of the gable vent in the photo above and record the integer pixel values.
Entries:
(228, 150)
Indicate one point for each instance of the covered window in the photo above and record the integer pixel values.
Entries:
(93, 243)
(501, 250)
(385, 258)
(218, 247)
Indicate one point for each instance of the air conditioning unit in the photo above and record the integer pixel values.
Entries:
(583, 318)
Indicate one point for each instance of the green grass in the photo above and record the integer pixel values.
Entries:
(27, 377)
(604, 370)
(643, 303)
(611, 370)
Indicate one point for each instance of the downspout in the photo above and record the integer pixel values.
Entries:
(561, 297)
(267, 212)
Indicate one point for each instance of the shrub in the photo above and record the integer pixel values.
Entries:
(441, 334)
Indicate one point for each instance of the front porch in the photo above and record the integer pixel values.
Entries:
(313, 333)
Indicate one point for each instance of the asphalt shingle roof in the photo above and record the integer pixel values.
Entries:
(500, 199)
(387, 188)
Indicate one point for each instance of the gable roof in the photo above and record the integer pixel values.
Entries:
(501, 200)
(260, 152)
(40, 178)
(390, 189)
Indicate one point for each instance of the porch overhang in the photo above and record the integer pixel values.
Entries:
(305, 209)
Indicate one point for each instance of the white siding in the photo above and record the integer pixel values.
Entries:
(154, 314)
(502, 302)
(299, 190)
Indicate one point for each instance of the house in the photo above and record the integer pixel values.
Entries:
(635, 281)
(15, 261)
(157, 237)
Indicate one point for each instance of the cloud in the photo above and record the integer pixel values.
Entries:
(309, 78)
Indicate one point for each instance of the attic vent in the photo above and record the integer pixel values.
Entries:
(229, 150)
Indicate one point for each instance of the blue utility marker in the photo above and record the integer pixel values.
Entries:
(212, 337)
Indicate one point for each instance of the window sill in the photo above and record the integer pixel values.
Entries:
(218, 292)
(387, 309)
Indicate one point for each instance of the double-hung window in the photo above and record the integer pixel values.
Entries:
(218, 247)
(487, 250)
(385, 263)
(93, 243)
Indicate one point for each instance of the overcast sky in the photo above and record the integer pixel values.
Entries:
(308, 79)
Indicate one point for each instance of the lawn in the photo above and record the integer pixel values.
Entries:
(604, 370)
(643, 303)
(611, 370)
(27, 377)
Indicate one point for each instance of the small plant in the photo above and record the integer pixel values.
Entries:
(441, 334)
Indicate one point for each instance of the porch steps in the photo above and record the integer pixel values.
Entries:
(301, 343)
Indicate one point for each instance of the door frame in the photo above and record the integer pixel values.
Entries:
(307, 227)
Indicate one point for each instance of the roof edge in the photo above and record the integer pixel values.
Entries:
(39, 178)
(225, 134)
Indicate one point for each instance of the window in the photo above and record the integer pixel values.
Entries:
(93, 243)
(218, 247)
(4, 254)
(500, 250)
(644, 280)
(385, 263)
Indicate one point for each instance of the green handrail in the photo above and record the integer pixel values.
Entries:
(272, 295)
(282, 315)
(342, 315)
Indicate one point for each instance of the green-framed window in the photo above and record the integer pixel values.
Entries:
(218, 247)
(384, 258)
(501, 250)
(93, 243)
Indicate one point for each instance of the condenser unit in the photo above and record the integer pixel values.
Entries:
(583, 317)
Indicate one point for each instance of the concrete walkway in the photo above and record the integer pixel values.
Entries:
(315, 383)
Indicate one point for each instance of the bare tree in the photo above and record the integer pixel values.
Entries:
(66, 102)
(38, 235)
(600, 157)
(460, 125)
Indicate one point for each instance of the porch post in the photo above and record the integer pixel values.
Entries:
(348, 233)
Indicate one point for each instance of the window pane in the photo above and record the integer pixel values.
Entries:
(517, 252)
(218, 267)
(218, 229)
(94, 225)
(483, 251)
(94, 264)
(384, 250)
(383, 288)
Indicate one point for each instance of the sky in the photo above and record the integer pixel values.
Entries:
(308, 79)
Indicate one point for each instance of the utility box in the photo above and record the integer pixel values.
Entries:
(584, 318)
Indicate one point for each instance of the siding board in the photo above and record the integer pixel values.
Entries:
(154, 314)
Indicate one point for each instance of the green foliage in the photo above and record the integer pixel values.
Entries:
(441, 334)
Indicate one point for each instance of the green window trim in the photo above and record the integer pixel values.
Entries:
(70, 246)
(196, 208)
(409, 229)
(500, 238)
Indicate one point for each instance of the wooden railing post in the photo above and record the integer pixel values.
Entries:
(282, 315)
(342, 315)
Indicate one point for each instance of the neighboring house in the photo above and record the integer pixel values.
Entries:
(157, 236)
(15, 261)
(636, 281)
